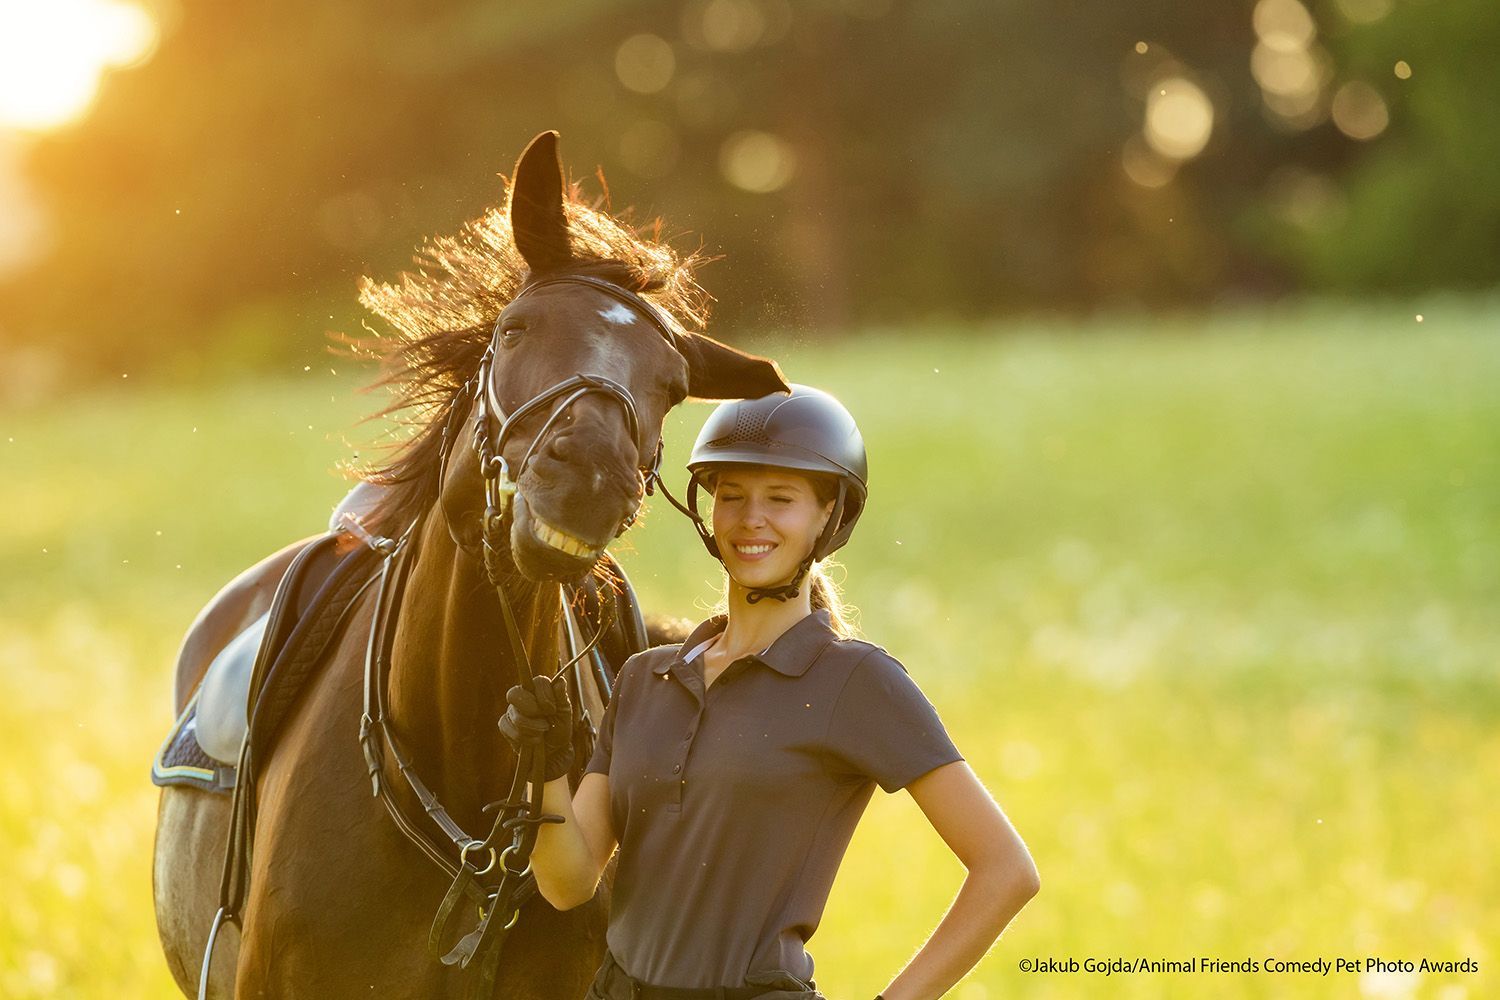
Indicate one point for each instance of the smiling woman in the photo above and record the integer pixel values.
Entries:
(53, 57)
(732, 769)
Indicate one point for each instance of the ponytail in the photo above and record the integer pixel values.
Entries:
(825, 595)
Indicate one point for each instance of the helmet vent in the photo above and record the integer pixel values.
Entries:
(750, 429)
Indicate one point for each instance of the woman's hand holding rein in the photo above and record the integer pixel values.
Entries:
(569, 857)
(541, 719)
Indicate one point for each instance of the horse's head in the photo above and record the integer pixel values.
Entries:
(570, 406)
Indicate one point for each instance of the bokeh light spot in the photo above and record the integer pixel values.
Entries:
(1145, 166)
(731, 25)
(703, 99)
(1296, 112)
(757, 161)
(1359, 111)
(645, 63)
(1402, 70)
(1179, 119)
(54, 54)
(1292, 73)
(1284, 25)
(1364, 11)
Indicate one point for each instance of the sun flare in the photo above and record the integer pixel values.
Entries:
(53, 55)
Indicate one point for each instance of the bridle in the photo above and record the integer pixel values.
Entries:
(497, 878)
(499, 484)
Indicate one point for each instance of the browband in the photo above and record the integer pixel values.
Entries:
(619, 293)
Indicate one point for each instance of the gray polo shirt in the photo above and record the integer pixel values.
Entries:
(734, 806)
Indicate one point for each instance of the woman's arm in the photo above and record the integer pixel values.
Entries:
(1001, 878)
(569, 857)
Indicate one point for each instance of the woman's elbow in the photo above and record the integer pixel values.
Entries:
(566, 897)
(1022, 878)
(1027, 884)
(1013, 882)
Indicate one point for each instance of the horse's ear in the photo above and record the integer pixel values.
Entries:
(716, 371)
(536, 206)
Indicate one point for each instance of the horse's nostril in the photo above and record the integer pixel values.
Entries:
(560, 447)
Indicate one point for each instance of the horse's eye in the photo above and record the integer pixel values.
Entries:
(510, 334)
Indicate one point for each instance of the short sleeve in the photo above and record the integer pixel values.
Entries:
(604, 746)
(884, 728)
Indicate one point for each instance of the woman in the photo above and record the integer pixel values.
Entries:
(732, 769)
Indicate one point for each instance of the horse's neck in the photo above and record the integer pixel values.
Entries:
(452, 664)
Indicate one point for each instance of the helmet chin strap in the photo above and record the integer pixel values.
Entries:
(787, 591)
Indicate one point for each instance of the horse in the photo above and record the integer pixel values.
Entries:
(557, 339)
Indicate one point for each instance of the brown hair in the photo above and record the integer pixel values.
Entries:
(844, 617)
(824, 592)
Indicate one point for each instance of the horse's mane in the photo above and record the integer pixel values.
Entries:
(441, 319)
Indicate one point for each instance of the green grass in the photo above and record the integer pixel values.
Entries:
(1209, 605)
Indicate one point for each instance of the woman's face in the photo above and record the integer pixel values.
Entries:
(766, 521)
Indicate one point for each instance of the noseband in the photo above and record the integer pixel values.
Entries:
(499, 484)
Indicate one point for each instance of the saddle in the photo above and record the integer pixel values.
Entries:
(268, 664)
(265, 666)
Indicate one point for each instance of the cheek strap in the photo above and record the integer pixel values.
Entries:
(690, 510)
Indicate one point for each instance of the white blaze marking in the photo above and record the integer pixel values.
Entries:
(619, 314)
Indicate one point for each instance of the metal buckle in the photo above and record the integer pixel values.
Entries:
(463, 856)
(508, 869)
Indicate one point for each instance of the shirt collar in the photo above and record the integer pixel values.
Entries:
(791, 654)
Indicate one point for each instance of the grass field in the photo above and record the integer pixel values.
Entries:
(1211, 606)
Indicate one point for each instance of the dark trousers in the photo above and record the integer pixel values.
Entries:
(613, 983)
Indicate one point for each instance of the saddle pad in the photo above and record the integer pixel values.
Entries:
(181, 761)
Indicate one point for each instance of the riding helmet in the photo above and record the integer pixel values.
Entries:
(805, 429)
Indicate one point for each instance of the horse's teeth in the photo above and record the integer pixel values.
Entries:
(565, 543)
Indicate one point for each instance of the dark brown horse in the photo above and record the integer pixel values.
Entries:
(339, 901)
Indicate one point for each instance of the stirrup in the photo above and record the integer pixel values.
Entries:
(220, 919)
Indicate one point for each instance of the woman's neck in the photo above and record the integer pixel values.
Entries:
(753, 627)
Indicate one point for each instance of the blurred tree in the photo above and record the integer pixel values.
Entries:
(1408, 197)
(854, 160)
